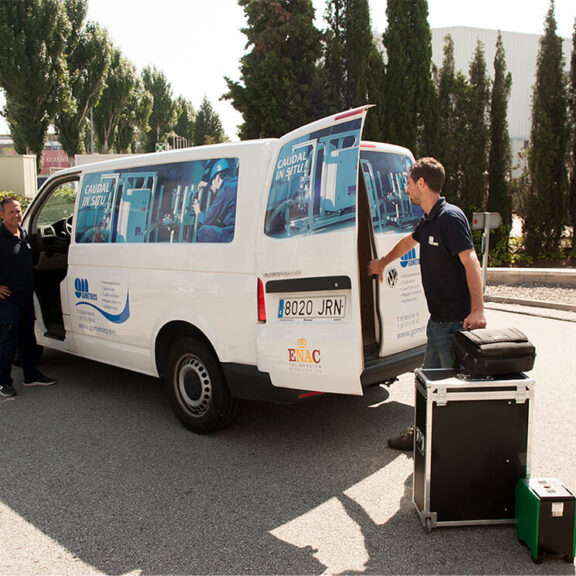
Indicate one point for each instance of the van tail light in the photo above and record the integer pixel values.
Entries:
(309, 395)
(261, 302)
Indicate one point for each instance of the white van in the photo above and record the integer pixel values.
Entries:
(235, 270)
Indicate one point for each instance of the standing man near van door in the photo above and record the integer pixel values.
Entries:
(16, 301)
(217, 223)
(451, 272)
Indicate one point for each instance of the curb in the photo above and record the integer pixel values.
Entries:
(531, 303)
(564, 276)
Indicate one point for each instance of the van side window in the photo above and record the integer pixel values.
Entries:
(178, 202)
(313, 188)
(386, 178)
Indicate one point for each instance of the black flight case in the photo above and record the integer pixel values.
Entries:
(471, 446)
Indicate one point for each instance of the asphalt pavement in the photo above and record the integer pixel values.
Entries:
(98, 477)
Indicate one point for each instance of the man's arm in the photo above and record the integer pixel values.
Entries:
(376, 267)
(476, 318)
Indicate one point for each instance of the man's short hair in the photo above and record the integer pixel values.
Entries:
(7, 200)
(431, 170)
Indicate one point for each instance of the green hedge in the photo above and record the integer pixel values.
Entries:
(23, 200)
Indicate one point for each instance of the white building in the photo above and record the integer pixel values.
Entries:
(521, 57)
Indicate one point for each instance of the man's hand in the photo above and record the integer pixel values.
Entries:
(376, 268)
(475, 319)
(4, 292)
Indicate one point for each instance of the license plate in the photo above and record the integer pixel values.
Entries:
(311, 308)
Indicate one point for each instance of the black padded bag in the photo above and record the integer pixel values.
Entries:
(483, 352)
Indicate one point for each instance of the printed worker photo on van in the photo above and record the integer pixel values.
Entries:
(216, 224)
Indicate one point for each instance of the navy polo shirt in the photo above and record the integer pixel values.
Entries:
(442, 235)
(16, 266)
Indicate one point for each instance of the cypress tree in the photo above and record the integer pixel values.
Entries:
(572, 152)
(280, 87)
(548, 146)
(499, 163)
(409, 93)
(353, 64)
(208, 127)
(475, 136)
(447, 150)
(334, 63)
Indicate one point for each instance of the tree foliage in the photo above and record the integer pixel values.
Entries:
(572, 142)
(207, 128)
(280, 87)
(499, 160)
(164, 108)
(186, 119)
(475, 137)
(121, 81)
(448, 148)
(88, 59)
(546, 209)
(133, 121)
(33, 71)
(353, 65)
(408, 88)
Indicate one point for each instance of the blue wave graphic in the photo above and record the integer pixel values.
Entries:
(114, 318)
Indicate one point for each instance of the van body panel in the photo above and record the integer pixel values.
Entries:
(151, 263)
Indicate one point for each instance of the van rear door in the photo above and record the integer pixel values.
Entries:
(401, 312)
(307, 259)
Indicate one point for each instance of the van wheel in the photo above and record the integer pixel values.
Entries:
(197, 389)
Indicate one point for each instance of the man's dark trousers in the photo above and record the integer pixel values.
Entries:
(17, 333)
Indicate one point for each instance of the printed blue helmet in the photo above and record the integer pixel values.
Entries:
(220, 166)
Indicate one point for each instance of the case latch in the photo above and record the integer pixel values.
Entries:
(521, 394)
(441, 396)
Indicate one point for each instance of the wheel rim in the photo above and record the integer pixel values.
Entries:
(194, 386)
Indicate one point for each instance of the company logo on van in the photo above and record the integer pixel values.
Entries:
(392, 277)
(409, 259)
(303, 355)
(86, 298)
(81, 290)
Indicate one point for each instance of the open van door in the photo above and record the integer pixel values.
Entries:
(307, 259)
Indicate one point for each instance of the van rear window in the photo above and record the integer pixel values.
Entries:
(178, 202)
(314, 183)
(386, 178)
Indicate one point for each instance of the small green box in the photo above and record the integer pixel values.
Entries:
(545, 518)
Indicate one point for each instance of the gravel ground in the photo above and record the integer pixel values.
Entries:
(557, 294)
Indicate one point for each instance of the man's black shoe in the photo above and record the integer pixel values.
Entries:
(7, 391)
(405, 441)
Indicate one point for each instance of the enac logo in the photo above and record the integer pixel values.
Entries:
(302, 354)
(409, 259)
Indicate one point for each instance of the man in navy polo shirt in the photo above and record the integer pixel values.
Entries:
(451, 272)
(16, 301)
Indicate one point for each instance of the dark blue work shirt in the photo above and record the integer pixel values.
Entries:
(442, 235)
(16, 266)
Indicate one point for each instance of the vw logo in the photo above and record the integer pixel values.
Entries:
(392, 277)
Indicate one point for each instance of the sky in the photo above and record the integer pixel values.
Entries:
(197, 43)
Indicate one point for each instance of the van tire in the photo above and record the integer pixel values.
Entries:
(197, 388)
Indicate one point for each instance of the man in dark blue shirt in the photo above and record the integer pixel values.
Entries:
(16, 301)
(451, 272)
